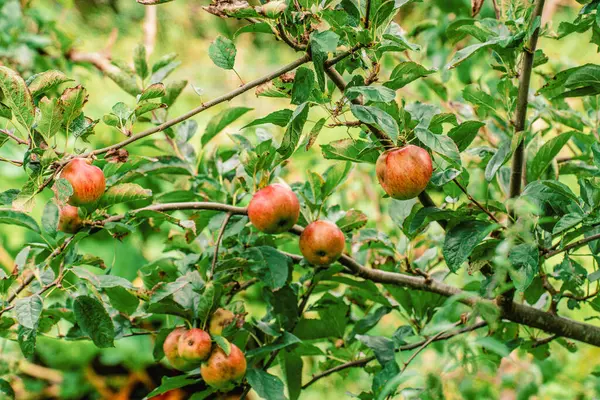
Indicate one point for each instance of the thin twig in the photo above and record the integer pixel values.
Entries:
(550, 253)
(364, 361)
(150, 28)
(13, 137)
(218, 243)
(481, 207)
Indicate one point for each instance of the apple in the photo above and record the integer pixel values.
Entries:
(171, 349)
(322, 242)
(194, 346)
(274, 209)
(86, 179)
(404, 172)
(68, 219)
(220, 319)
(223, 371)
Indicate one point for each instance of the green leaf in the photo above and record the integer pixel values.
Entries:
(524, 259)
(27, 339)
(335, 176)
(352, 220)
(279, 118)
(288, 340)
(222, 52)
(122, 299)
(293, 131)
(462, 239)
(221, 121)
(51, 119)
(50, 218)
(41, 83)
(381, 346)
(28, 311)
(6, 391)
(314, 133)
(322, 43)
(304, 82)
(72, 101)
(153, 91)
(467, 52)
(378, 117)
(358, 151)
(17, 96)
(498, 159)
(480, 99)
(94, 321)
(140, 62)
(266, 385)
(545, 155)
(173, 90)
(126, 80)
(223, 344)
(270, 265)
(371, 93)
(406, 72)
(465, 133)
(291, 366)
(123, 193)
(441, 144)
(18, 218)
(170, 383)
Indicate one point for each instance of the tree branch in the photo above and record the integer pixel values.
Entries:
(509, 310)
(550, 253)
(364, 361)
(518, 158)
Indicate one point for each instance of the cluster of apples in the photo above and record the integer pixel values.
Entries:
(188, 349)
(88, 185)
(403, 173)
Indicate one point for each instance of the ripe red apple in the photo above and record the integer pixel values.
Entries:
(194, 346)
(68, 219)
(274, 209)
(404, 172)
(322, 242)
(86, 179)
(222, 371)
(220, 319)
(171, 349)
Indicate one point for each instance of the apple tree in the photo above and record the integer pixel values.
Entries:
(481, 238)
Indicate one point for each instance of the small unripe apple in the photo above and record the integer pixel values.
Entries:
(322, 242)
(68, 219)
(404, 172)
(274, 209)
(222, 371)
(220, 319)
(86, 179)
(171, 349)
(272, 9)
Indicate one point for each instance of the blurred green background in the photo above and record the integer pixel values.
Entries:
(184, 28)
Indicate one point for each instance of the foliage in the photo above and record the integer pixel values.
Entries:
(500, 255)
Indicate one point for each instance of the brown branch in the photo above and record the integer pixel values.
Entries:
(519, 313)
(14, 137)
(550, 253)
(518, 159)
(364, 361)
(367, 13)
(218, 243)
(541, 342)
(13, 162)
(150, 28)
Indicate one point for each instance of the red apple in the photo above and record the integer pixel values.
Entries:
(194, 346)
(404, 172)
(322, 242)
(171, 349)
(68, 219)
(274, 209)
(86, 179)
(223, 371)
(220, 319)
